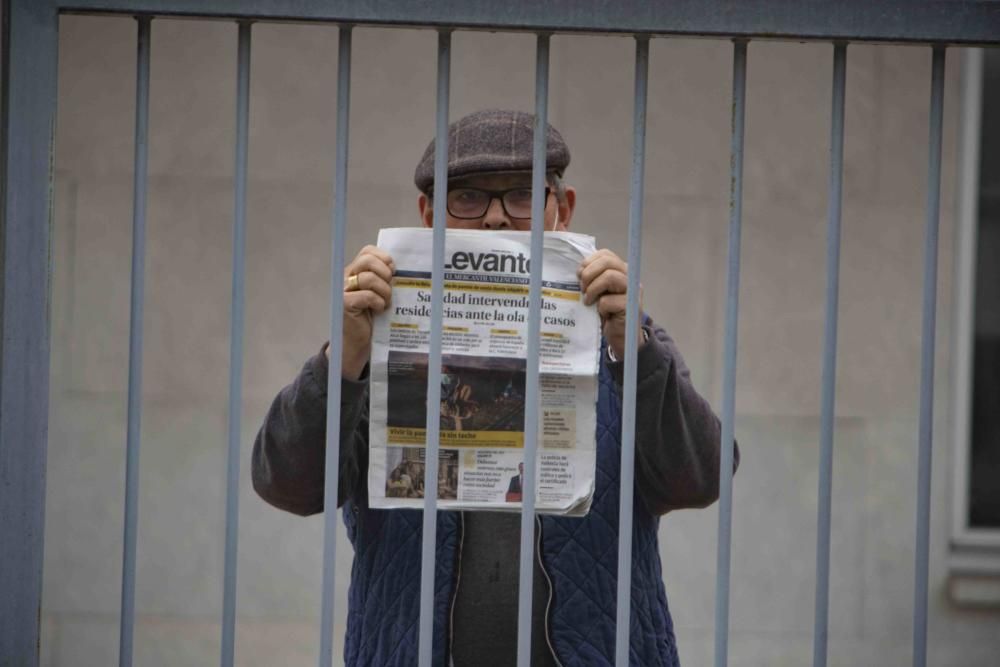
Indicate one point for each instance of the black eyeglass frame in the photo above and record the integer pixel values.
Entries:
(493, 194)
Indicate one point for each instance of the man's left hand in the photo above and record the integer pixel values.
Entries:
(604, 281)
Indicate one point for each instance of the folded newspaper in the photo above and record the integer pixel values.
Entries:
(483, 368)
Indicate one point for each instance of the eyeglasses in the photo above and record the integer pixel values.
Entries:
(472, 203)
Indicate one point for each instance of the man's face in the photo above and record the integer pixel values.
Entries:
(557, 214)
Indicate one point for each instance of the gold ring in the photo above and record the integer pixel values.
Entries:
(353, 284)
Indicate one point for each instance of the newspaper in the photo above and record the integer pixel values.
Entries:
(483, 368)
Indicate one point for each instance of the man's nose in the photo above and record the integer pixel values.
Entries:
(496, 217)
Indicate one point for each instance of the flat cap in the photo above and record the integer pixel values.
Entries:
(492, 140)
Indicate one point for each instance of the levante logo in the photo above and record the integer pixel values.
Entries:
(489, 261)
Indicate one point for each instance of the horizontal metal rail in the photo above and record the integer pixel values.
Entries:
(950, 21)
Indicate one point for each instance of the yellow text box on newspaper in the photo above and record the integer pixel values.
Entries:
(399, 435)
(492, 288)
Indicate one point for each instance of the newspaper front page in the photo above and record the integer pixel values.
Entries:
(483, 370)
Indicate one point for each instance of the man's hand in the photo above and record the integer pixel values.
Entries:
(604, 281)
(367, 292)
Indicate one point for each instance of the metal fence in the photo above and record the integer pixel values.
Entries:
(28, 106)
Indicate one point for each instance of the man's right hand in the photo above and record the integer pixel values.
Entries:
(369, 295)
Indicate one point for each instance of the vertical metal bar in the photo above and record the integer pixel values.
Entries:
(964, 281)
(532, 394)
(828, 391)
(236, 345)
(729, 364)
(27, 113)
(433, 430)
(332, 466)
(624, 605)
(135, 342)
(927, 360)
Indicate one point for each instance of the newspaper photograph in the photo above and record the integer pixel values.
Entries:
(483, 372)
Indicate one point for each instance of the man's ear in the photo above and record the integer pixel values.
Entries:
(566, 208)
(426, 210)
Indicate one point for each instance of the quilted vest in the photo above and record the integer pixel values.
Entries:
(579, 555)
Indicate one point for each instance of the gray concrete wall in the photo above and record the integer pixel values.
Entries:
(181, 511)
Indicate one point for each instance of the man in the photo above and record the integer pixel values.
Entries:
(475, 604)
(514, 488)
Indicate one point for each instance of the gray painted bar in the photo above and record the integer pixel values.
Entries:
(133, 440)
(927, 360)
(729, 363)
(433, 425)
(236, 344)
(27, 113)
(829, 379)
(624, 602)
(532, 396)
(332, 464)
(888, 20)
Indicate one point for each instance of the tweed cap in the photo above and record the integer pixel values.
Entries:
(492, 140)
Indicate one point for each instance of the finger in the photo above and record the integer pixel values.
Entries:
(601, 254)
(369, 259)
(379, 253)
(600, 265)
(368, 280)
(612, 306)
(369, 262)
(358, 302)
(608, 282)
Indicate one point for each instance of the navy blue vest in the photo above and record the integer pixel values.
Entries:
(579, 555)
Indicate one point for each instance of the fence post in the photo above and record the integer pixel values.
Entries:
(27, 110)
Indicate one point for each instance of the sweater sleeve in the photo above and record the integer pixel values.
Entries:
(289, 454)
(677, 434)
